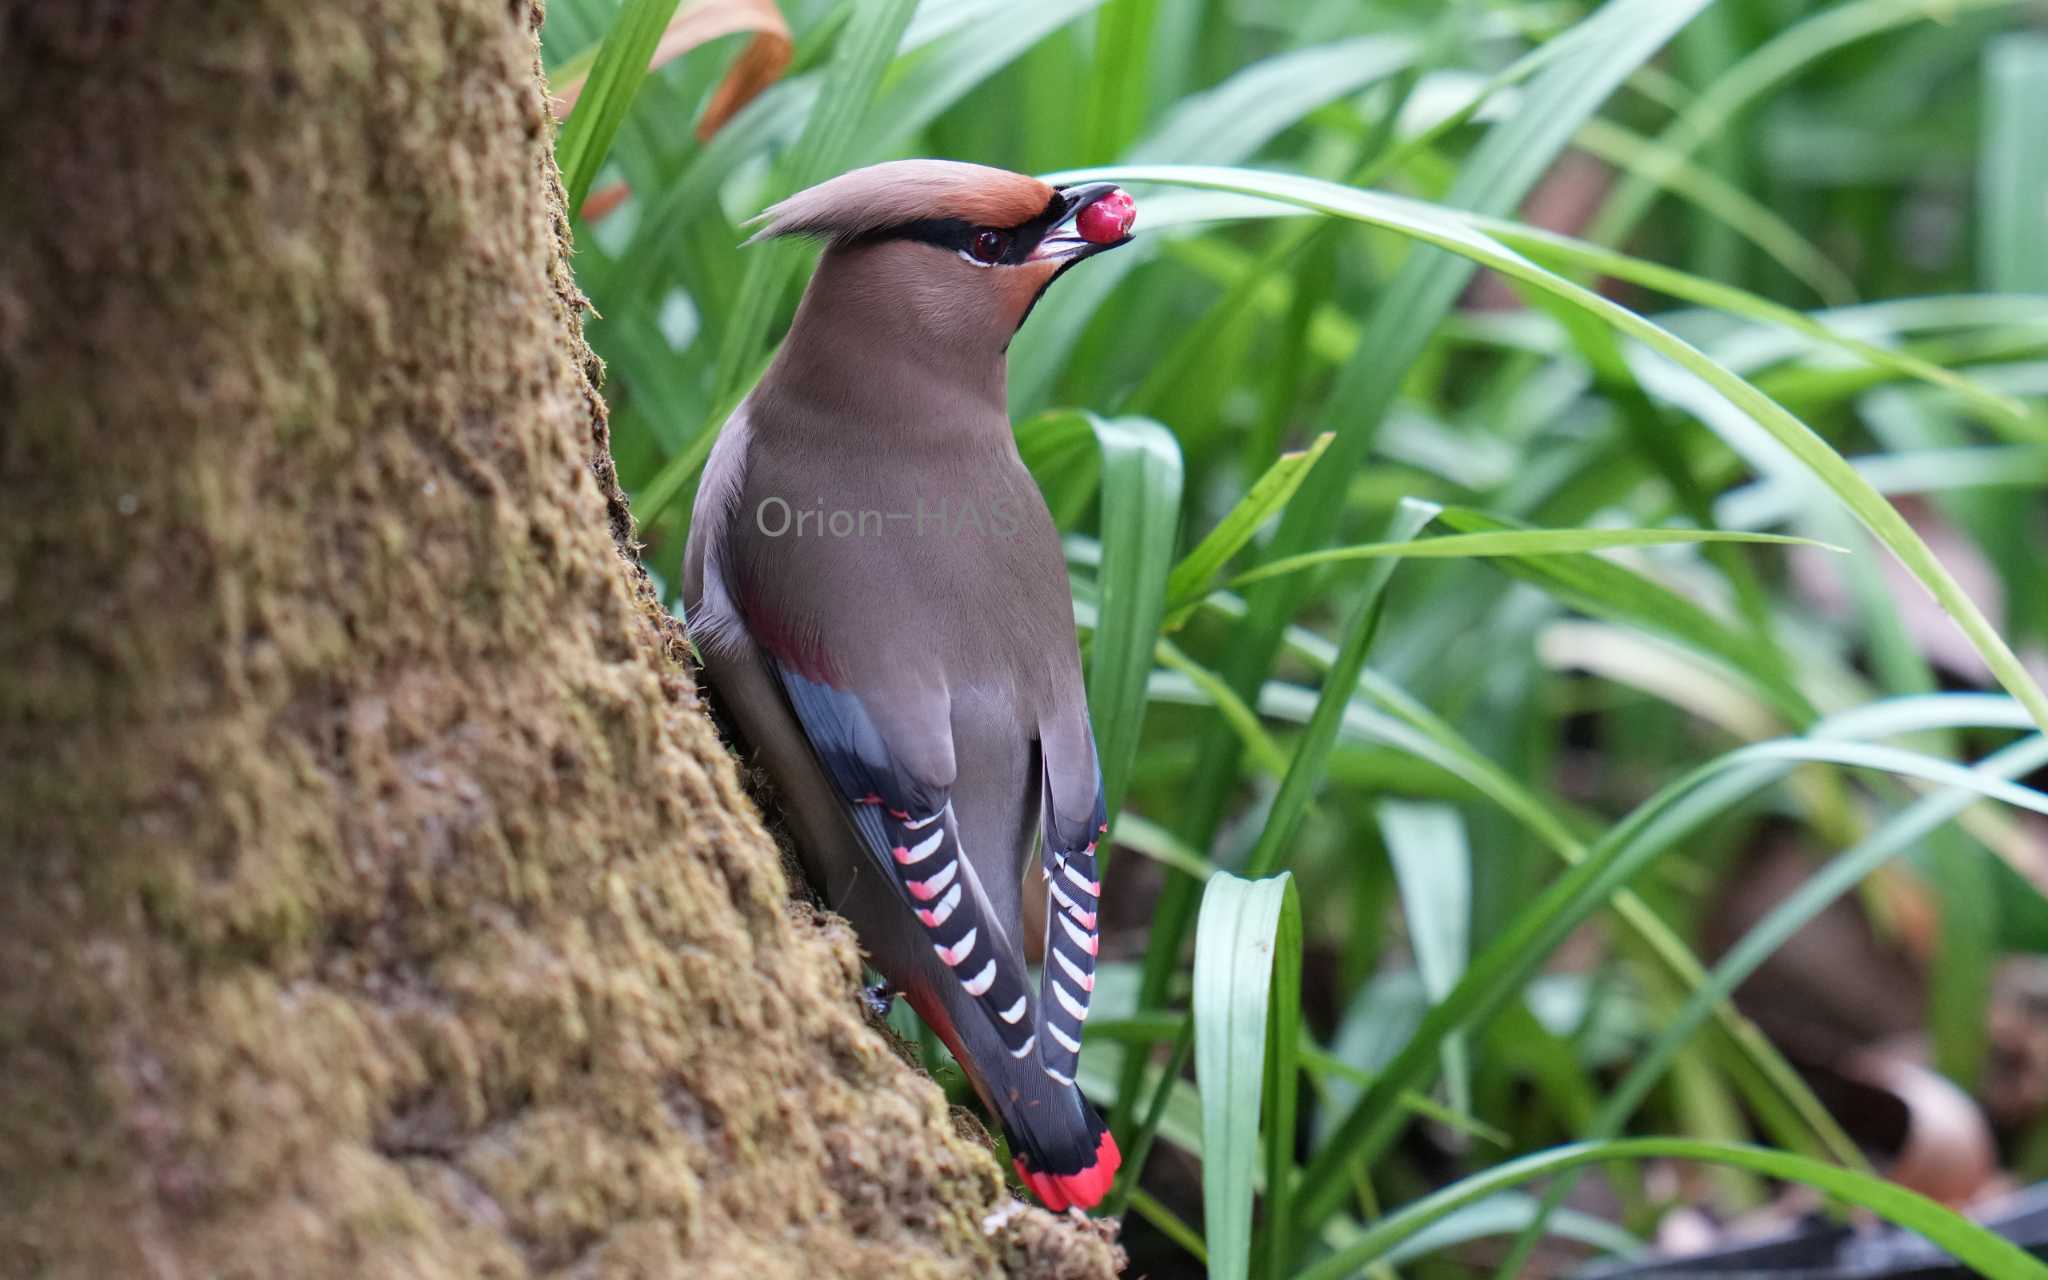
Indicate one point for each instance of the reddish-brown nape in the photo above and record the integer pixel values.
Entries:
(901, 191)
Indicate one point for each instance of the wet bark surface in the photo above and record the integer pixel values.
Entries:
(375, 897)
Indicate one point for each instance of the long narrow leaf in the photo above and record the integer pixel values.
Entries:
(2014, 176)
(1311, 757)
(1591, 60)
(1141, 481)
(1606, 589)
(1791, 50)
(1433, 869)
(1411, 728)
(1969, 1243)
(1764, 939)
(1520, 542)
(1267, 496)
(1618, 858)
(614, 81)
(1244, 927)
(1788, 433)
(864, 52)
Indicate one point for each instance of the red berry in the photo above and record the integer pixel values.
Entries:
(1108, 219)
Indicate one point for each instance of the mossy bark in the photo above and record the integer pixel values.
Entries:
(375, 898)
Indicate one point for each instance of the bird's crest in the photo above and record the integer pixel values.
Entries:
(900, 192)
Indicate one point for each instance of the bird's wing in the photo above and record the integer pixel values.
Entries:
(906, 824)
(1075, 820)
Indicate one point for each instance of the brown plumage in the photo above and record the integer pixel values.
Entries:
(882, 604)
(882, 195)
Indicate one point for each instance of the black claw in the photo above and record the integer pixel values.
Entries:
(879, 997)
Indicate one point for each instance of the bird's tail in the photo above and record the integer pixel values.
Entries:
(1060, 1147)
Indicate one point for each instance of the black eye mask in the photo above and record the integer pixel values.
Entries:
(959, 235)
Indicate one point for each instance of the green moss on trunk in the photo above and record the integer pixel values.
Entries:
(375, 898)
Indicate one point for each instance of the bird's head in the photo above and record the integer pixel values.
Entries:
(957, 252)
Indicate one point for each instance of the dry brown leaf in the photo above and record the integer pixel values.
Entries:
(605, 199)
(1836, 985)
(2016, 1077)
(1949, 1154)
(759, 65)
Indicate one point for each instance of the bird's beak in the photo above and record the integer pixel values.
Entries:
(1077, 232)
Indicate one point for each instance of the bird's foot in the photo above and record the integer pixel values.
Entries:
(878, 998)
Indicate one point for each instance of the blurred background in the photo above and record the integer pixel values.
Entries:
(1415, 462)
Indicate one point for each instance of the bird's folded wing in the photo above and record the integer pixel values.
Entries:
(908, 828)
(1073, 888)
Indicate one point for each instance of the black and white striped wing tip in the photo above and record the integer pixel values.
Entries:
(921, 854)
(925, 854)
(1073, 893)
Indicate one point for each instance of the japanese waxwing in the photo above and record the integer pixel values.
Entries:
(881, 604)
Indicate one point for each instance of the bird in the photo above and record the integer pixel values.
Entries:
(880, 603)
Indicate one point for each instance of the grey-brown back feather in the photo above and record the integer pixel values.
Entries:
(939, 595)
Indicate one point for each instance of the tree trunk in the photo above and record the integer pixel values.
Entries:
(375, 899)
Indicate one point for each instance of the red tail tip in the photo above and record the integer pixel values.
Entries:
(1083, 1190)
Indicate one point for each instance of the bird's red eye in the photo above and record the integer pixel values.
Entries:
(989, 245)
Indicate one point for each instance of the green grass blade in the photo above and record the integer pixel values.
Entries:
(942, 74)
(1787, 917)
(1180, 1121)
(1433, 870)
(650, 259)
(1614, 591)
(1517, 543)
(1619, 856)
(1168, 1087)
(2013, 178)
(1510, 1211)
(1774, 1087)
(1923, 713)
(1060, 451)
(1312, 755)
(1119, 91)
(1169, 1225)
(1190, 578)
(1965, 1240)
(1244, 928)
(1157, 843)
(1284, 1039)
(1788, 433)
(1906, 471)
(1604, 49)
(1770, 65)
(1564, 252)
(678, 475)
(1141, 481)
(1730, 207)
(864, 51)
(1228, 124)
(615, 78)
(1411, 727)
(1240, 115)
(1209, 688)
